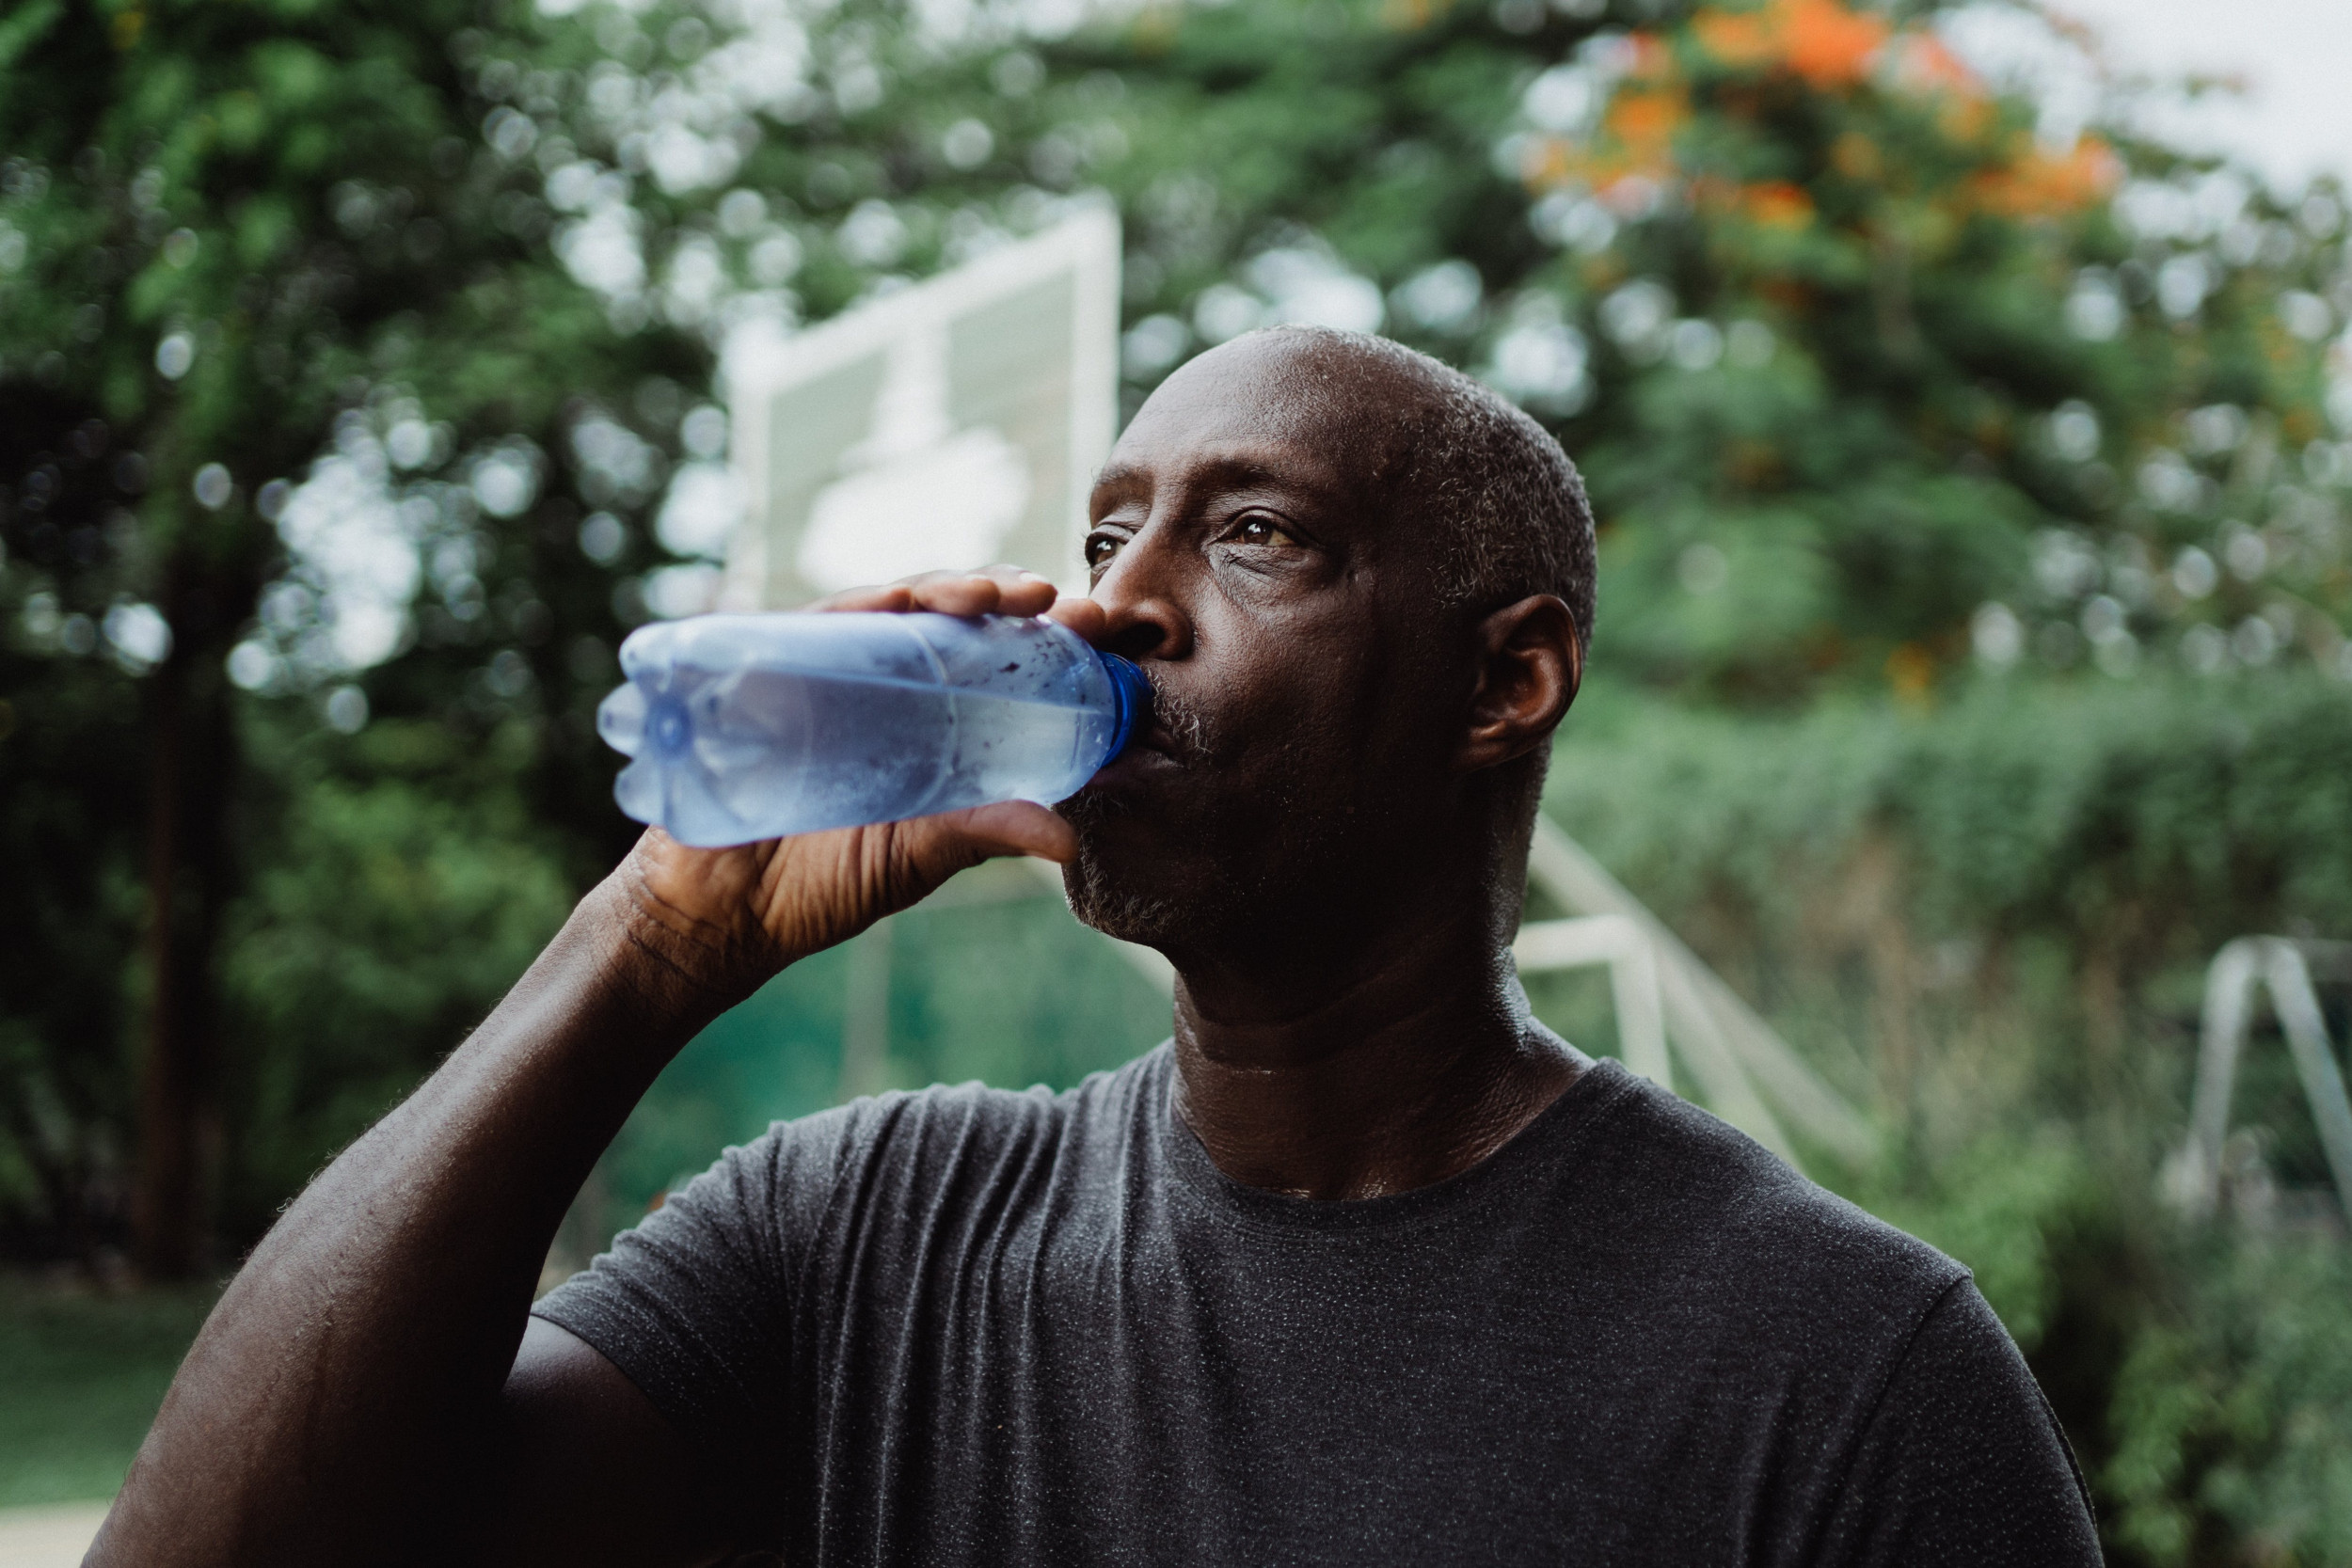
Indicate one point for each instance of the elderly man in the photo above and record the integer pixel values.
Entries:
(1364, 1265)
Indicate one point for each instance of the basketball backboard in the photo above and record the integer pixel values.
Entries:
(956, 422)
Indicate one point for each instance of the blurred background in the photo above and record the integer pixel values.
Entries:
(1963, 394)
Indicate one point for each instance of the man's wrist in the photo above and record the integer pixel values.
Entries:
(675, 964)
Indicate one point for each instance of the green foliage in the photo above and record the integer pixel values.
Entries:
(80, 1378)
(2002, 1204)
(72, 915)
(1854, 368)
(393, 913)
(2150, 819)
(233, 240)
(2234, 1415)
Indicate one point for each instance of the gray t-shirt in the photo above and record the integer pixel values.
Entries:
(975, 1327)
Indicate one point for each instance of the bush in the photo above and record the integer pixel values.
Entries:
(1989, 924)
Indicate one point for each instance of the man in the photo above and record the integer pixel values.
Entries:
(1364, 1266)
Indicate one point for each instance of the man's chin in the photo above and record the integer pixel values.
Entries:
(1144, 919)
(1138, 878)
(1121, 897)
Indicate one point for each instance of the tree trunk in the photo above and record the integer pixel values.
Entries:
(191, 759)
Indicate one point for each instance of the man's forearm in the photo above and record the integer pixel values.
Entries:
(327, 1411)
(330, 1409)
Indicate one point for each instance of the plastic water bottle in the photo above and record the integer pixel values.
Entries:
(745, 727)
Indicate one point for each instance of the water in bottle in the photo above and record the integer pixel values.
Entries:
(745, 727)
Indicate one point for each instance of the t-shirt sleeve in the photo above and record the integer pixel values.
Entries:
(1962, 1460)
(693, 1304)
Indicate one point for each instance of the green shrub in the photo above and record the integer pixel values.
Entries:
(1988, 922)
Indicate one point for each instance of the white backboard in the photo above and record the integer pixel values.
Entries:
(955, 423)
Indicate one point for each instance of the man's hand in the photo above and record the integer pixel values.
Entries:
(722, 921)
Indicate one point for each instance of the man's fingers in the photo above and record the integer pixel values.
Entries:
(1022, 593)
(996, 590)
(884, 596)
(990, 590)
(1084, 616)
(1007, 828)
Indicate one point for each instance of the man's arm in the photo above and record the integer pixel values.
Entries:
(355, 1396)
(587, 1470)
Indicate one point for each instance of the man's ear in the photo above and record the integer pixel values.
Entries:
(1529, 664)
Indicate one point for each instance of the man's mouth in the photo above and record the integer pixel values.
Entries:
(1146, 756)
(1178, 730)
(1172, 741)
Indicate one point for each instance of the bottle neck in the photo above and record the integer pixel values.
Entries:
(1131, 693)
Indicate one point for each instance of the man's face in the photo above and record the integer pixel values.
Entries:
(1247, 546)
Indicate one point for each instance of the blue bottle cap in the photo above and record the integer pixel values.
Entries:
(1132, 691)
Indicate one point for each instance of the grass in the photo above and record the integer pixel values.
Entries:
(81, 1376)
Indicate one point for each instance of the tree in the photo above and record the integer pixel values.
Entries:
(1864, 375)
(225, 231)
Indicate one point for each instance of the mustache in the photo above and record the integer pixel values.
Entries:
(1179, 729)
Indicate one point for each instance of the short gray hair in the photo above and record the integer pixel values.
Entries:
(1512, 504)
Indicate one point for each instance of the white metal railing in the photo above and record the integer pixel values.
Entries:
(2286, 966)
(1666, 997)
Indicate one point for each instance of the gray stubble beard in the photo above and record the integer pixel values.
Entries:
(1113, 905)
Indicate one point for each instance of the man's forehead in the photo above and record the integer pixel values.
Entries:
(1293, 412)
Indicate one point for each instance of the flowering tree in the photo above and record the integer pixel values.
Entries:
(1877, 370)
(1868, 371)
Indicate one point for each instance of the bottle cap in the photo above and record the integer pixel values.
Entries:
(1130, 691)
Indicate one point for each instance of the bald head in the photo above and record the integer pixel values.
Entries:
(1450, 455)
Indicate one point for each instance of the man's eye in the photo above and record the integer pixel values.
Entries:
(1100, 548)
(1262, 531)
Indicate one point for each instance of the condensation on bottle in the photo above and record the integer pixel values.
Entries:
(747, 727)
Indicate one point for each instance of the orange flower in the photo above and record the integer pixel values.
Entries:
(1546, 163)
(2040, 185)
(1778, 204)
(1828, 45)
(1855, 156)
(1742, 39)
(1911, 670)
(1630, 158)
(1643, 121)
(1713, 192)
(1964, 119)
(1823, 41)
(1652, 60)
(1411, 16)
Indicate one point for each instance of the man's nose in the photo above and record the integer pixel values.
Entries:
(1146, 591)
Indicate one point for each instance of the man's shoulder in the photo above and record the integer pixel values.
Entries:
(1715, 1212)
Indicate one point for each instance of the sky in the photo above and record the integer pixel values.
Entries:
(2294, 57)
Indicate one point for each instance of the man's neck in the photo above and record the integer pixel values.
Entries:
(1372, 1078)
